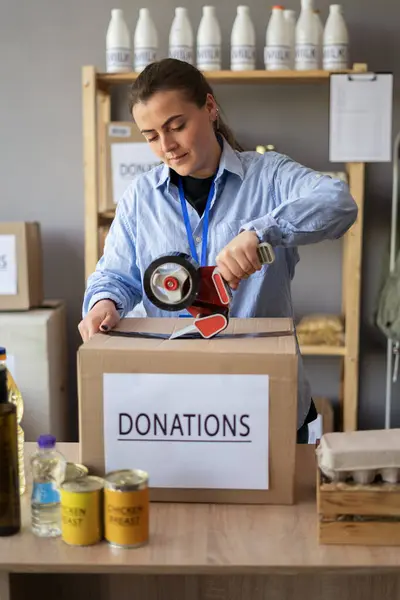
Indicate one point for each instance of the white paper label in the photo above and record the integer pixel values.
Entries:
(8, 265)
(118, 58)
(209, 55)
(243, 55)
(144, 56)
(276, 56)
(336, 56)
(307, 56)
(127, 161)
(119, 131)
(184, 53)
(189, 431)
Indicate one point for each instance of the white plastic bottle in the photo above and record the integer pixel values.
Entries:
(243, 41)
(277, 41)
(209, 41)
(48, 472)
(181, 37)
(118, 44)
(290, 18)
(317, 17)
(335, 40)
(306, 54)
(145, 41)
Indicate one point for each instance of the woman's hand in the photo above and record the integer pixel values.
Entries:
(102, 317)
(239, 259)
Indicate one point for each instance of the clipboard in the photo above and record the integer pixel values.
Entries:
(360, 120)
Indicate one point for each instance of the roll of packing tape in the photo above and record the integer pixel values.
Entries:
(171, 281)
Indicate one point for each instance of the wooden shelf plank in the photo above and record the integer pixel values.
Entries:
(323, 350)
(239, 77)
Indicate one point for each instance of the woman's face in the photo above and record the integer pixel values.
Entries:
(180, 134)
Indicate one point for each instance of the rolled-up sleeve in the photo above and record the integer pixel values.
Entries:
(117, 276)
(308, 206)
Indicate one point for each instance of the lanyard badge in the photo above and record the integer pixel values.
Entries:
(206, 221)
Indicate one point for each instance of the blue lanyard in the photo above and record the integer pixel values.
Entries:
(206, 221)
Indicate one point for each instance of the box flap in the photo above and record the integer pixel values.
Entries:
(271, 336)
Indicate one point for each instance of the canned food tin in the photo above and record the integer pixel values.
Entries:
(82, 510)
(126, 508)
(75, 471)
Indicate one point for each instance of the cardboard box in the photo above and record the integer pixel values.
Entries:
(239, 386)
(127, 154)
(21, 274)
(36, 344)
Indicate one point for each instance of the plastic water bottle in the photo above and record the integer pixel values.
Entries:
(277, 42)
(118, 44)
(209, 41)
(243, 41)
(145, 41)
(181, 37)
(335, 40)
(48, 472)
(290, 19)
(307, 38)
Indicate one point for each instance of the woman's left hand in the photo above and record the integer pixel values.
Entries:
(239, 259)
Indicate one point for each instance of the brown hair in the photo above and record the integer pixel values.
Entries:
(171, 74)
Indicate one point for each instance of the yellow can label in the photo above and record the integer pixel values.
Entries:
(126, 517)
(81, 517)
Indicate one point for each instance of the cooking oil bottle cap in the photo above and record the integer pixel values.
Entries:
(3, 353)
(46, 441)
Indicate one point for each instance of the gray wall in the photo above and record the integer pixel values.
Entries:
(43, 46)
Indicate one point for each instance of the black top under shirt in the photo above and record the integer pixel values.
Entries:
(196, 190)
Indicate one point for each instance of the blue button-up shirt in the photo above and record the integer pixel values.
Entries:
(285, 203)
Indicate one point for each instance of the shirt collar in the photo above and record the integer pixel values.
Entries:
(229, 161)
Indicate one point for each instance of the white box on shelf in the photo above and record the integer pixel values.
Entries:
(36, 342)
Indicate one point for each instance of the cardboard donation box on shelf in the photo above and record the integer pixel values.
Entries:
(127, 154)
(209, 420)
(21, 274)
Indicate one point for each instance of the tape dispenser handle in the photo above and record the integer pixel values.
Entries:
(265, 253)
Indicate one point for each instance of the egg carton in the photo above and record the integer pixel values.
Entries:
(360, 455)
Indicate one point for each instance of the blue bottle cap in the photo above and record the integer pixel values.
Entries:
(46, 441)
(2, 350)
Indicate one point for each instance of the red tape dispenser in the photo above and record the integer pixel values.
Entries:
(174, 282)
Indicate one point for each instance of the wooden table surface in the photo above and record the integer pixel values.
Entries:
(206, 539)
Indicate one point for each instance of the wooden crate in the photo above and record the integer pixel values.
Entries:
(350, 513)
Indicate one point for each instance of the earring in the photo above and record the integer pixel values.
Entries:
(217, 120)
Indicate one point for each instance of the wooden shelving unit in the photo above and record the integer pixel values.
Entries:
(97, 113)
(238, 77)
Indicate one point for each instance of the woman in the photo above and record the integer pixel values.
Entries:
(247, 196)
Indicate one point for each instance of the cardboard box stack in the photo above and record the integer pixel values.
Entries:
(32, 331)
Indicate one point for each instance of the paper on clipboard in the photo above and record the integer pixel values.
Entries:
(360, 117)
